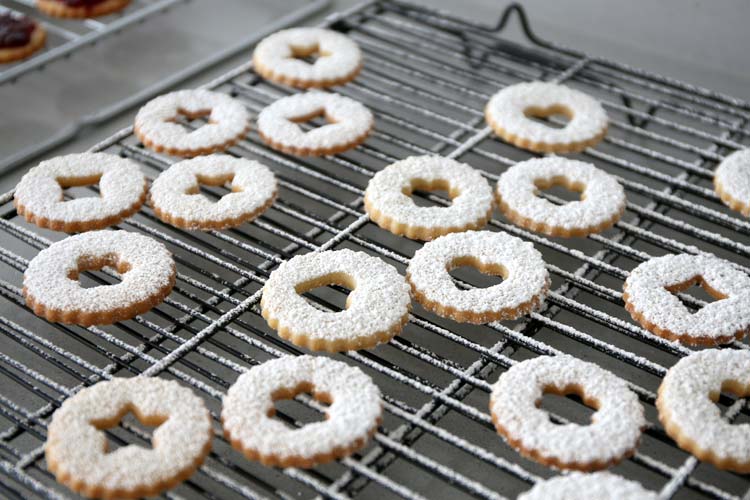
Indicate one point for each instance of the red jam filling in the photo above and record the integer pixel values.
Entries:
(80, 3)
(15, 31)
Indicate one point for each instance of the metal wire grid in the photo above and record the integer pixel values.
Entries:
(437, 440)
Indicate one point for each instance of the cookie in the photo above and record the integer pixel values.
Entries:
(122, 191)
(351, 419)
(80, 9)
(524, 286)
(20, 36)
(349, 124)
(176, 199)
(508, 113)
(602, 197)
(52, 290)
(595, 486)
(376, 309)
(156, 127)
(76, 448)
(732, 181)
(686, 403)
(389, 204)
(279, 58)
(612, 435)
(649, 298)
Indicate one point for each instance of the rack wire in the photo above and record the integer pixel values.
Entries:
(427, 76)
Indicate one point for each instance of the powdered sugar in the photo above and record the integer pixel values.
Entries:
(228, 120)
(122, 188)
(340, 57)
(602, 198)
(388, 201)
(720, 321)
(732, 181)
(76, 449)
(176, 198)
(378, 304)
(613, 433)
(349, 122)
(352, 417)
(47, 278)
(596, 486)
(526, 277)
(507, 109)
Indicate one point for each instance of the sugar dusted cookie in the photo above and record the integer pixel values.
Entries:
(524, 286)
(20, 36)
(52, 290)
(508, 113)
(595, 486)
(278, 57)
(122, 191)
(352, 417)
(732, 181)
(80, 9)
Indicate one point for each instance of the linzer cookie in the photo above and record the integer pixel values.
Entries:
(352, 417)
(649, 297)
(80, 9)
(508, 113)
(280, 58)
(602, 197)
(732, 181)
(52, 290)
(524, 286)
(594, 486)
(376, 309)
(157, 127)
(176, 198)
(122, 191)
(388, 197)
(349, 124)
(612, 435)
(687, 409)
(20, 36)
(77, 450)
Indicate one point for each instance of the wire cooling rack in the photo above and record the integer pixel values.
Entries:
(426, 77)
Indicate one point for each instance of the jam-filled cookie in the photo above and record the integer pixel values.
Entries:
(80, 9)
(20, 36)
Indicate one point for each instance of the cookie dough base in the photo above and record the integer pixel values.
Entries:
(10, 54)
(293, 150)
(189, 153)
(59, 9)
(742, 207)
(268, 73)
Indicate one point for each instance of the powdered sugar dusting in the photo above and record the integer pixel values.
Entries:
(379, 300)
(602, 199)
(77, 448)
(581, 486)
(648, 296)
(615, 427)
(348, 119)
(733, 175)
(352, 416)
(121, 184)
(527, 276)
(47, 276)
(339, 55)
(388, 193)
(507, 109)
(175, 191)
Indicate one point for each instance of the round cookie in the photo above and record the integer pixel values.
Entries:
(278, 58)
(349, 124)
(20, 36)
(595, 486)
(650, 300)
(376, 309)
(52, 290)
(122, 191)
(389, 204)
(175, 194)
(612, 435)
(687, 409)
(732, 181)
(525, 277)
(352, 417)
(508, 111)
(228, 123)
(76, 448)
(602, 197)
(80, 9)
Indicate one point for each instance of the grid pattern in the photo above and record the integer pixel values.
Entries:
(426, 78)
